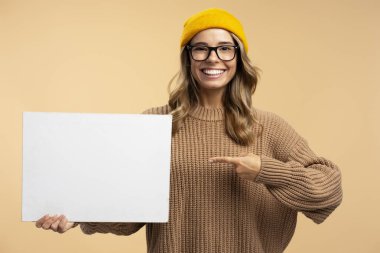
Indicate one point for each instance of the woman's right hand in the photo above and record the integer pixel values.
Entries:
(57, 223)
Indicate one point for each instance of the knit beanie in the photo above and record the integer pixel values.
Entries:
(212, 18)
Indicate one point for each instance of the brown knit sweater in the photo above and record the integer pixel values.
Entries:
(213, 210)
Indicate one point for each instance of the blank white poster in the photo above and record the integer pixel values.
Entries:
(96, 167)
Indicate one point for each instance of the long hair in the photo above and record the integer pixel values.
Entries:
(237, 99)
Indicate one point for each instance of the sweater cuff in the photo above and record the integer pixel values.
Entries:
(272, 172)
(88, 227)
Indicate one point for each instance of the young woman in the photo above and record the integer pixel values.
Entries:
(239, 175)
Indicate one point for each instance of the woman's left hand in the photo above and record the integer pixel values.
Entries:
(246, 166)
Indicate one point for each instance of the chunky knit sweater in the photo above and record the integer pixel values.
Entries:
(213, 210)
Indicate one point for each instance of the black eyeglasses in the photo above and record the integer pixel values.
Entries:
(201, 53)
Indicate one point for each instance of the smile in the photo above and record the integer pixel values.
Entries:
(213, 72)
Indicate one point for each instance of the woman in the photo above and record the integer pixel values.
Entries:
(239, 175)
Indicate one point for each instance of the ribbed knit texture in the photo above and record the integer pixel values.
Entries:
(213, 210)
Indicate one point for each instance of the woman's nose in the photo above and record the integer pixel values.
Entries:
(213, 56)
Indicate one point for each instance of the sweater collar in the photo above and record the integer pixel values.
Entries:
(207, 113)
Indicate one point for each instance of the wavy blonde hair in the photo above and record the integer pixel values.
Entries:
(237, 99)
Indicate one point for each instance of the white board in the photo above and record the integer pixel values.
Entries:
(96, 167)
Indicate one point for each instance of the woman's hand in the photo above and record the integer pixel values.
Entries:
(57, 223)
(246, 166)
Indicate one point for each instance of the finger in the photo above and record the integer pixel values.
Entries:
(224, 159)
(42, 220)
(54, 226)
(62, 224)
(48, 222)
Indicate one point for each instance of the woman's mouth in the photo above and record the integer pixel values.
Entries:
(213, 73)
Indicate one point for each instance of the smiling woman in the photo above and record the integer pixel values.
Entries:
(239, 175)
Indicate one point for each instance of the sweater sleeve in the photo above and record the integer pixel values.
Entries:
(110, 227)
(294, 174)
(304, 182)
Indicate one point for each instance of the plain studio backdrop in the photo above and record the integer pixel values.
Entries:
(320, 71)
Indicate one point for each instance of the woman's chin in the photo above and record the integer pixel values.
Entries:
(214, 87)
(213, 84)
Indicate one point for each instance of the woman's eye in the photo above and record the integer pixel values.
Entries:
(225, 48)
(200, 49)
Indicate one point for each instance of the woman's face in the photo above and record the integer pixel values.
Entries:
(213, 73)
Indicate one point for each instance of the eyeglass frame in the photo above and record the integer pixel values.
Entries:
(189, 47)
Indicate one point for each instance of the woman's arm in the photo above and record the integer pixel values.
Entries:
(305, 182)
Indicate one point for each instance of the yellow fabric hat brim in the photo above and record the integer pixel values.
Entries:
(212, 18)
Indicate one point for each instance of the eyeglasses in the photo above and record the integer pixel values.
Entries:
(201, 53)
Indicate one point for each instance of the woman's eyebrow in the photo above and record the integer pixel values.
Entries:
(219, 43)
(225, 42)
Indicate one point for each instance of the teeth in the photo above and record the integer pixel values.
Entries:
(212, 71)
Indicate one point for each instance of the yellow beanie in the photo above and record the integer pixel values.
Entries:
(212, 18)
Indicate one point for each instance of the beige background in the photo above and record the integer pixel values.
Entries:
(320, 62)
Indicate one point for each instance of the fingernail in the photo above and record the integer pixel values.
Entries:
(211, 161)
